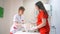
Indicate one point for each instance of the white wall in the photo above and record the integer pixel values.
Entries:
(29, 12)
(4, 22)
(56, 14)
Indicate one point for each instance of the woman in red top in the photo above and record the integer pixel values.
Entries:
(42, 19)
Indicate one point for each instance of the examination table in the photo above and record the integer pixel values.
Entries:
(19, 32)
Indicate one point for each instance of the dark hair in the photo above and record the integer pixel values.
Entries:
(21, 8)
(41, 6)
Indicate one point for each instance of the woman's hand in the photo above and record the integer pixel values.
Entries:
(18, 25)
(34, 28)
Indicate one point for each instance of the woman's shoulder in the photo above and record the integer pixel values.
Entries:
(16, 15)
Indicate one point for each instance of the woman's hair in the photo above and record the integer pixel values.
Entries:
(40, 5)
(21, 8)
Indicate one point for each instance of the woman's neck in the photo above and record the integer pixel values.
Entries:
(39, 10)
(19, 15)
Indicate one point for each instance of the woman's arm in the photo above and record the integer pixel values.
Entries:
(17, 24)
(42, 24)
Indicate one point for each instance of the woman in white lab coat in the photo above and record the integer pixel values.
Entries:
(18, 20)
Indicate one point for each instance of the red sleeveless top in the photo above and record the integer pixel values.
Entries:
(39, 21)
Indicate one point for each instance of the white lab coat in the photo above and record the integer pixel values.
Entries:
(18, 19)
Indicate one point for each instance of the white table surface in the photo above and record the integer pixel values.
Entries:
(19, 32)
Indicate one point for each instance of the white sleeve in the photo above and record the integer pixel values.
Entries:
(15, 18)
